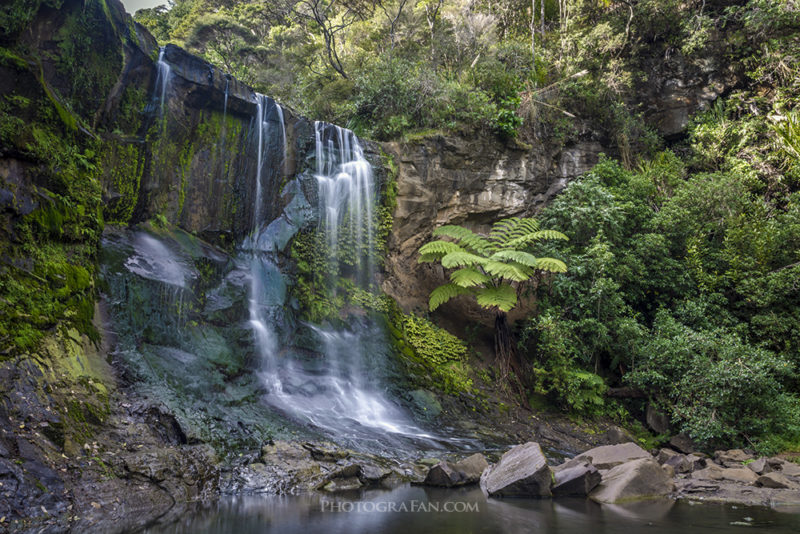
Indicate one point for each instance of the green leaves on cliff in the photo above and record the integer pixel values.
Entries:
(491, 267)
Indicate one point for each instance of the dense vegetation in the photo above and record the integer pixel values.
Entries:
(684, 254)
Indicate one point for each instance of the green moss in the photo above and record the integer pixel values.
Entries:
(9, 58)
(430, 353)
(124, 167)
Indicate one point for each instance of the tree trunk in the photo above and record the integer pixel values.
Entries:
(533, 40)
(507, 358)
(504, 349)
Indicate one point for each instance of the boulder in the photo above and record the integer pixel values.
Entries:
(576, 480)
(685, 463)
(632, 481)
(683, 443)
(760, 466)
(733, 474)
(472, 467)
(609, 456)
(777, 481)
(656, 420)
(467, 471)
(732, 458)
(522, 471)
(790, 468)
(373, 474)
(665, 454)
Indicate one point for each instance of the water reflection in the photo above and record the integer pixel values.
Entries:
(418, 510)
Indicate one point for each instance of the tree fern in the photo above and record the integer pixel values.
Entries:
(508, 271)
(502, 297)
(461, 258)
(489, 267)
(466, 237)
(469, 277)
(492, 269)
(444, 293)
(551, 265)
(436, 250)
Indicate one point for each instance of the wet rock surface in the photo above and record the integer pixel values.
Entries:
(448, 475)
(635, 480)
(522, 471)
(575, 480)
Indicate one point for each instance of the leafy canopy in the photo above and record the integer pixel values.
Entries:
(493, 267)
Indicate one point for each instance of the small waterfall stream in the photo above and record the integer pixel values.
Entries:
(338, 394)
(164, 71)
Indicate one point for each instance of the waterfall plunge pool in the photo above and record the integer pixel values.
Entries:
(414, 509)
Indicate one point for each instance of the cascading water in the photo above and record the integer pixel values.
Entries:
(337, 394)
(266, 289)
(164, 72)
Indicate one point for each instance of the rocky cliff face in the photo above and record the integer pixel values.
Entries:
(130, 410)
(474, 182)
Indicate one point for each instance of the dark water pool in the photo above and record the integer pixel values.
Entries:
(413, 510)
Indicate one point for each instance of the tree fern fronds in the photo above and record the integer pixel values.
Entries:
(444, 293)
(436, 250)
(517, 256)
(533, 237)
(551, 265)
(508, 271)
(461, 258)
(503, 297)
(467, 238)
(469, 277)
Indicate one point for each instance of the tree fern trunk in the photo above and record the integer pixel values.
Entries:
(506, 356)
(504, 345)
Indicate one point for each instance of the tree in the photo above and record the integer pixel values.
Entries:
(493, 269)
(332, 18)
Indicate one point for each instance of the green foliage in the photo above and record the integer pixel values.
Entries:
(436, 357)
(679, 281)
(719, 389)
(491, 267)
(557, 372)
(48, 250)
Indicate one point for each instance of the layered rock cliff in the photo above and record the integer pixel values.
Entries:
(138, 393)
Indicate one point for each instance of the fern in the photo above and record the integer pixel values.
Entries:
(530, 238)
(502, 297)
(444, 293)
(461, 258)
(516, 256)
(508, 271)
(470, 240)
(551, 265)
(469, 277)
(436, 250)
(491, 267)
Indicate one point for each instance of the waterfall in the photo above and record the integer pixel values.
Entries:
(162, 79)
(263, 267)
(346, 189)
(338, 391)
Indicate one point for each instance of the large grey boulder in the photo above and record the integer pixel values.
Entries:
(448, 475)
(789, 468)
(576, 480)
(609, 456)
(776, 480)
(732, 458)
(685, 463)
(633, 481)
(522, 471)
(742, 475)
(760, 466)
